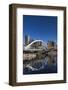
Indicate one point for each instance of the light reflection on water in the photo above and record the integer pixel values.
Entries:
(42, 66)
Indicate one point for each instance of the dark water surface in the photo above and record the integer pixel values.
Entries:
(40, 66)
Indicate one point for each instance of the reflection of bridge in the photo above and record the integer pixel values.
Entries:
(43, 46)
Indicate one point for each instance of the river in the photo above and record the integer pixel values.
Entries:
(42, 66)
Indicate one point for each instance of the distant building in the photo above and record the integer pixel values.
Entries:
(50, 44)
(55, 45)
(27, 40)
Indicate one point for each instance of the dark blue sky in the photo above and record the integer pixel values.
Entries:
(40, 27)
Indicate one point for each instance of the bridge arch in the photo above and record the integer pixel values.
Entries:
(36, 41)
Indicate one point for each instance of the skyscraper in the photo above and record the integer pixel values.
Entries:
(27, 40)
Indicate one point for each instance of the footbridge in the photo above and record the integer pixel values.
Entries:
(29, 46)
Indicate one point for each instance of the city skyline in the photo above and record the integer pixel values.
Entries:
(40, 27)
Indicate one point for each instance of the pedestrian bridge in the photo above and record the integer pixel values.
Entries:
(29, 46)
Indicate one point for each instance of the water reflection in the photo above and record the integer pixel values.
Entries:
(40, 66)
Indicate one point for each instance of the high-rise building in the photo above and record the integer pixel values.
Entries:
(50, 44)
(27, 40)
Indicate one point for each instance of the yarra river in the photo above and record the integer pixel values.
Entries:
(40, 66)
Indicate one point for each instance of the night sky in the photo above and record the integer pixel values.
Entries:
(40, 27)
